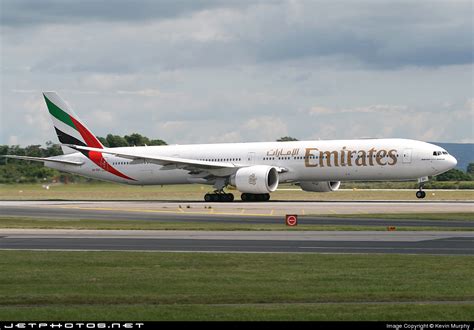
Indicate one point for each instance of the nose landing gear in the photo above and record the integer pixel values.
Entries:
(420, 193)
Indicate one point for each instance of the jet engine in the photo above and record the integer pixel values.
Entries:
(258, 179)
(320, 186)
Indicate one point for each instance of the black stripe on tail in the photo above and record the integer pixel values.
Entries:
(65, 138)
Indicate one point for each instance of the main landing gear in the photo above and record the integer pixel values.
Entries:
(246, 197)
(219, 197)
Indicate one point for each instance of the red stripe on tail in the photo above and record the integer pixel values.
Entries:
(88, 137)
(100, 161)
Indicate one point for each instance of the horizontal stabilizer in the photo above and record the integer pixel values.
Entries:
(41, 159)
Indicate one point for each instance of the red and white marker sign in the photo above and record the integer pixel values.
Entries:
(291, 219)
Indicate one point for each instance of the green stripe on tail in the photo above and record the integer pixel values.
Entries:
(58, 113)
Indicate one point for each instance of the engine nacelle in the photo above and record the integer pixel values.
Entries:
(258, 179)
(320, 186)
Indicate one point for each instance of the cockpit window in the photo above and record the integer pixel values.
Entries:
(445, 152)
(438, 153)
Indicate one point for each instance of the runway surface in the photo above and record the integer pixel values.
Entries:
(416, 242)
(437, 243)
(242, 213)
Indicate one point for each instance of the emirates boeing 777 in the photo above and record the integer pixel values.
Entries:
(255, 169)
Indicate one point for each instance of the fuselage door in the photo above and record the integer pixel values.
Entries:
(251, 158)
(407, 156)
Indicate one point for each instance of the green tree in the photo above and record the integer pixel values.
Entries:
(3, 151)
(103, 141)
(136, 139)
(16, 150)
(34, 150)
(52, 149)
(157, 142)
(286, 139)
(470, 168)
(453, 175)
(116, 141)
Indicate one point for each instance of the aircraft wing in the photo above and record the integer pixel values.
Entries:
(42, 159)
(171, 162)
(216, 168)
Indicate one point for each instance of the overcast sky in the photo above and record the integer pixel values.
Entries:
(239, 71)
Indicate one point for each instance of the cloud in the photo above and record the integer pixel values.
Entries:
(470, 105)
(269, 128)
(31, 12)
(143, 92)
(318, 110)
(226, 137)
(174, 125)
(24, 91)
(397, 122)
(36, 117)
(103, 118)
(92, 37)
(242, 71)
(375, 108)
(381, 35)
(13, 140)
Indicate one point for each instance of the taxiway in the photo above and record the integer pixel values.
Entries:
(438, 243)
(416, 242)
(246, 213)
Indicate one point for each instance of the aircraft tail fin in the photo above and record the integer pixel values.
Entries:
(69, 128)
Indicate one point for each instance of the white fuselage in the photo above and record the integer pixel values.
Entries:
(332, 160)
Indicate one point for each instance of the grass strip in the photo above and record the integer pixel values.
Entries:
(208, 286)
(45, 223)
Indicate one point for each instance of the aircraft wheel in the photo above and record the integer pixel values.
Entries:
(255, 197)
(218, 197)
(420, 194)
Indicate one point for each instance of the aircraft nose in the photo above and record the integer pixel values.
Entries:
(452, 161)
